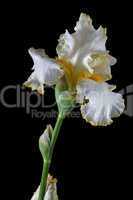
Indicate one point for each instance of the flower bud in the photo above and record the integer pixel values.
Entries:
(44, 142)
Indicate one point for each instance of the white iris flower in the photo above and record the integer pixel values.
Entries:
(86, 64)
(51, 191)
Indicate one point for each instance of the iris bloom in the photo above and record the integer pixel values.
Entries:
(51, 191)
(85, 64)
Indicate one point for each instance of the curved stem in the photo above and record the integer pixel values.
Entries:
(46, 164)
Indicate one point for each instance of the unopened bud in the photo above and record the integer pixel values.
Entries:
(44, 142)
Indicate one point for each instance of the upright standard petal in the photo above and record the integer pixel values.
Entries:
(46, 71)
(87, 36)
(66, 45)
(86, 48)
(99, 103)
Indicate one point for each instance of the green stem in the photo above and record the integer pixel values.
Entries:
(46, 165)
(56, 131)
(44, 180)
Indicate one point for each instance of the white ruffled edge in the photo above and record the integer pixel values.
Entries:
(98, 103)
(46, 71)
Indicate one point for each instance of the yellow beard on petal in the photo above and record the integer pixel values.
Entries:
(69, 71)
(97, 78)
(74, 75)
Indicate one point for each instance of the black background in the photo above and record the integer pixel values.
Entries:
(88, 161)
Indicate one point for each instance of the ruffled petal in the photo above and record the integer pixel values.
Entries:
(80, 47)
(99, 103)
(46, 71)
(66, 45)
(100, 63)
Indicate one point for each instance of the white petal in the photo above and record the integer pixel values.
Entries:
(36, 194)
(85, 40)
(84, 22)
(66, 45)
(51, 191)
(46, 70)
(91, 41)
(102, 105)
(87, 36)
(100, 63)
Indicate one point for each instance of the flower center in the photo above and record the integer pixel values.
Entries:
(73, 74)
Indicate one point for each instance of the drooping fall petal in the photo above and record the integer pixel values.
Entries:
(46, 71)
(98, 103)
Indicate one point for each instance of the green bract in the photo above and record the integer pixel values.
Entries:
(65, 99)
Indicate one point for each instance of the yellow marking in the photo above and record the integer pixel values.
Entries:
(73, 74)
(97, 77)
(69, 72)
(83, 74)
